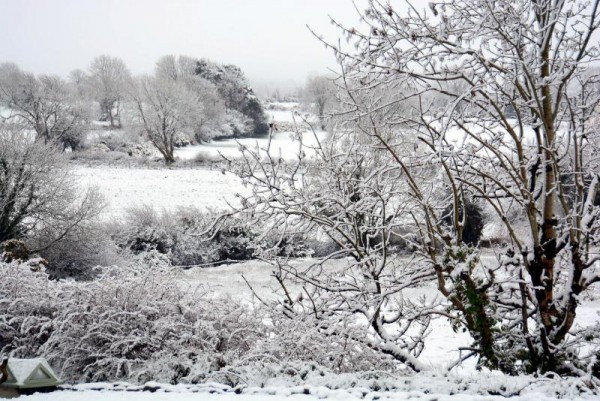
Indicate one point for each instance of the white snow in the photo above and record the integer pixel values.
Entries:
(167, 189)
(200, 187)
(281, 142)
(440, 389)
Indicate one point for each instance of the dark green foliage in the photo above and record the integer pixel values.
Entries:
(478, 311)
(474, 223)
(236, 93)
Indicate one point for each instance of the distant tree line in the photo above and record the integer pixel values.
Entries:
(185, 97)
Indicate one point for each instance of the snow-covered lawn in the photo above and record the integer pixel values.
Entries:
(167, 189)
(201, 187)
(283, 143)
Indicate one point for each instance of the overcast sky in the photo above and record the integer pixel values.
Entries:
(268, 39)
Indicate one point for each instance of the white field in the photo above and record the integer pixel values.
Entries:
(282, 143)
(164, 189)
(200, 187)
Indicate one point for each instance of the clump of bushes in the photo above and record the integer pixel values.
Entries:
(136, 324)
(184, 236)
(189, 237)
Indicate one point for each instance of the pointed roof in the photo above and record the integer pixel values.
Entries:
(30, 373)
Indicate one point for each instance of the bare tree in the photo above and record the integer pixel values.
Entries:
(165, 109)
(109, 78)
(320, 92)
(80, 81)
(176, 67)
(38, 192)
(211, 116)
(47, 104)
(516, 133)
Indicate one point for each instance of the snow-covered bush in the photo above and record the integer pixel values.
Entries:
(76, 253)
(141, 324)
(182, 236)
(474, 221)
(144, 230)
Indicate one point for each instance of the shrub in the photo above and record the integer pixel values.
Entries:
(77, 253)
(474, 222)
(177, 235)
(138, 325)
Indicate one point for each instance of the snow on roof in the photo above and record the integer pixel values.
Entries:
(30, 373)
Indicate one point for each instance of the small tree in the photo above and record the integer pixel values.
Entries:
(320, 92)
(46, 104)
(211, 116)
(176, 68)
(109, 78)
(165, 109)
(39, 196)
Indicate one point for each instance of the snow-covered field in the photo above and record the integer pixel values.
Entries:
(283, 143)
(166, 189)
(200, 187)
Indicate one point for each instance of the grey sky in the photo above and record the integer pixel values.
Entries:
(268, 39)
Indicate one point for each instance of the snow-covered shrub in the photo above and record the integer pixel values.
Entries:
(474, 221)
(118, 322)
(28, 305)
(235, 241)
(203, 157)
(139, 324)
(78, 252)
(189, 247)
(144, 230)
(181, 235)
(126, 324)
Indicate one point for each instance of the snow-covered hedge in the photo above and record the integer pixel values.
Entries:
(177, 235)
(140, 324)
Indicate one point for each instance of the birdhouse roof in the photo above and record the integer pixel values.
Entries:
(30, 373)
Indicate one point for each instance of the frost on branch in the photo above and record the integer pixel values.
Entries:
(487, 102)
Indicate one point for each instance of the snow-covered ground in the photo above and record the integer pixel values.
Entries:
(199, 187)
(482, 387)
(167, 189)
(283, 143)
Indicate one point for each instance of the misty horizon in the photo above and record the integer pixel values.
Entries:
(269, 40)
